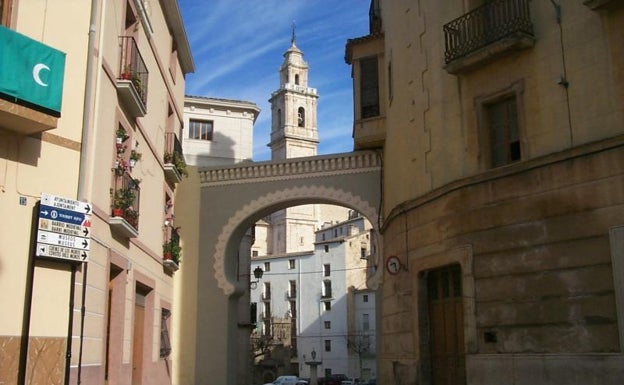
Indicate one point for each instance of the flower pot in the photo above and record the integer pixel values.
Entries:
(167, 256)
(117, 212)
(119, 140)
(132, 163)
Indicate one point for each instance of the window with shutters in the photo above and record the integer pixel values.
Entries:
(369, 87)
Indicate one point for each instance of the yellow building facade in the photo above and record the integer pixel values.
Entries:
(501, 125)
(111, 144)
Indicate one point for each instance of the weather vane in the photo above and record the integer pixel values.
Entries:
(292, 39)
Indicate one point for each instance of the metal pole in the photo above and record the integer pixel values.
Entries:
(28, 294)
(70, 324)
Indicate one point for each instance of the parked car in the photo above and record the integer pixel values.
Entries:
(335, 379)
(286, 380)
(351, 381)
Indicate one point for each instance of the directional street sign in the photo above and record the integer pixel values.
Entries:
(64, 230)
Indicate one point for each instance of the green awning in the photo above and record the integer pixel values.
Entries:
(31, 71)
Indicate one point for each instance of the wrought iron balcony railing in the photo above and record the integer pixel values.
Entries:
(132, 67)
(487, 24)
(175, 165)
(126, 198)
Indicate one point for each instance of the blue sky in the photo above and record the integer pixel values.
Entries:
(238, 47)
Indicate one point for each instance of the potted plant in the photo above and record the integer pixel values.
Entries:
(126, 74)
(121, 166)
(134, 157)
(171, 251)
(122, 202)
(121, 135)
(177, 160)
(131, 216)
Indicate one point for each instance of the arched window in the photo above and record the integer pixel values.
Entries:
(297, 79)
(301, 117)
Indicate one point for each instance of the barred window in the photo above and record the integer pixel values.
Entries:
(200, 129)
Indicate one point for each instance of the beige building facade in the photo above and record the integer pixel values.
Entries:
(113, 146)
(502, 129)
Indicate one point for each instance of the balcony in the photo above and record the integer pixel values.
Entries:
(291, 294)
(124, 218)
(175, 165)
(326, 296)
(171, 253)
(266, 315)
(133, 78)
(266, 296)
(487, 32)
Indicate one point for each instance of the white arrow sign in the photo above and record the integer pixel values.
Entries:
(62, 240)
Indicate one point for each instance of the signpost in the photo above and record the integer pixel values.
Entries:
(64, 228)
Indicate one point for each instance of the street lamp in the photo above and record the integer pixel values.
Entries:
(258, 272)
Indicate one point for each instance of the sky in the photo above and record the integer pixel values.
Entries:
(238, 47)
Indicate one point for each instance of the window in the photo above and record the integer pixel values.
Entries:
(502, 118)
(267, 290)
(326, 270)
(327, 248)
(297, 79)
(267, 266)
(254, 253)
(301, 117)
(327, 289)
(165, 344)
(365, 298)
(200, 129)
(365, 323)
(291, 264)
(327, 305)
(363, 253)
(328, 372)
(292, 288)
(293, 309)
(327, 324)
(328, 345)
(500, 126)
(369, 88)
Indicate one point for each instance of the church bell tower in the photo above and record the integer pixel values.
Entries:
(293, 109)
(294, 134)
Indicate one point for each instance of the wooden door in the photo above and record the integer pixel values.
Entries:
(446, 326)
(137, 343)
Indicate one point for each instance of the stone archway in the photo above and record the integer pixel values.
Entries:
(232, 199)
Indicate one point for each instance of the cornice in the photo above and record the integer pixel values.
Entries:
(296, 168)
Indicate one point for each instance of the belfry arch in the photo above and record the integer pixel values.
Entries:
(232, 199)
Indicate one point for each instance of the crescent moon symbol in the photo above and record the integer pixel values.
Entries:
(36, 71)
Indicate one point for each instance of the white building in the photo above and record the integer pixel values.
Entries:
(313, 291)
(218, 131)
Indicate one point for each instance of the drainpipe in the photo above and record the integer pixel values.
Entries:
(84, 157)
(563, 80)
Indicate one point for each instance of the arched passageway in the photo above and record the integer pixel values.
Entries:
(232, 199)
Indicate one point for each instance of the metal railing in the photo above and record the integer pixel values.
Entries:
(132, 66)
(484, 25)
(126, 198)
